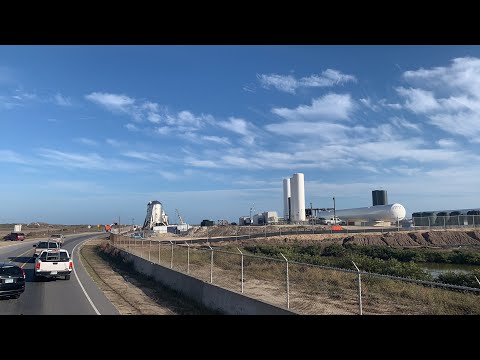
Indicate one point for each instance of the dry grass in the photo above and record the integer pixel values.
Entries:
(314, 290)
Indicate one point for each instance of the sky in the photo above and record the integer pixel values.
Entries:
(91, 134)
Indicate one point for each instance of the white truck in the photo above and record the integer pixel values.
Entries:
(334, 221)
(53, 263)
(58, 238)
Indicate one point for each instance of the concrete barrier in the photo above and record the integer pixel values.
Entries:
(212, 296)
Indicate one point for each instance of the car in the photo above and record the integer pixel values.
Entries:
(12, 280)
(44, 245)
(136, 236)
(15, 236)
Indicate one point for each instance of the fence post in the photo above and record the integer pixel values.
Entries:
(128, 243)
(265, 230)
(141, 251)
(236, 236)
(359, 289)
(211, 265)
(149, 246)
(473, 221)
(242, 267)
(188, 257)
(171, 259)
(288, 284)
(429, 225)
(158, 252)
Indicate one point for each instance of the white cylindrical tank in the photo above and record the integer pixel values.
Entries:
(371, 213)
(286, 196)
(297, 184)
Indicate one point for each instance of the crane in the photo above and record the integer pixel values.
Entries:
(180, 217)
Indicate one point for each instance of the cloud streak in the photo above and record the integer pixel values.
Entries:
(289, 84)
(330, 106)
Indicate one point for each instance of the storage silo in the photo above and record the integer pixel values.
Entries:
(286, 199)
(297, 186)
(379, 197)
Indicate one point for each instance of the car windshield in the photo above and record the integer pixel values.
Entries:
(47, 245)
(10, 271)
(55, 236)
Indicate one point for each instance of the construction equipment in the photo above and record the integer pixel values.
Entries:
(180, 217)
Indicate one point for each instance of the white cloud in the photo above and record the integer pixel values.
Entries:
(449, 96)
(216, 139)
(384, 103)
(62, 100)
(286, 83)
(446, 143)
(152, 107)
(90, 161)
(153, 117)
(330, 106)
(325, 131)
(164, 130)
(400, 122)
(86, 141)
(131, 127)
(112, 102)
(289, 84)
(464, 123)
(11, 157)
(418, 100)
(461, 77)
(147, 156)
(240, 126)
(200, 163)
(367, 102)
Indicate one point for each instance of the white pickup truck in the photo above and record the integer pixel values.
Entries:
(58, 238)
(53, 263)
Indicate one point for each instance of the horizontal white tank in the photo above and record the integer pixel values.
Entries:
(371, 213)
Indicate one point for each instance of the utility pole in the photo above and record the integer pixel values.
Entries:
(334, 215)
(133, 222)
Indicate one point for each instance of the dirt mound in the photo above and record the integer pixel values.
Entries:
(362, 239)
(452, 238)
(394, 239)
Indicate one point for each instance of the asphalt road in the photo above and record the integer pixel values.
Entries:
(77, 296)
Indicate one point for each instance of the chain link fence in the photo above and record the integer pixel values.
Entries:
(307, 288)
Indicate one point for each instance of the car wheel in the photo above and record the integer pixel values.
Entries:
(67, 277)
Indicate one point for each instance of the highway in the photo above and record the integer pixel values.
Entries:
(77, 296)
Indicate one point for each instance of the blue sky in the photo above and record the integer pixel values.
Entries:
(91, 133)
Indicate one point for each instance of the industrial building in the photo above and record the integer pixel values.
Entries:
(294, 198)
(267, 217)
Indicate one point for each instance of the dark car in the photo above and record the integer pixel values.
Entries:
(12, 280)
(15, 236)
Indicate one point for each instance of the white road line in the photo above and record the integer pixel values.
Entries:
(88, 297)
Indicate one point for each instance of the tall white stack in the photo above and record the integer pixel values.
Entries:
(286, 197)
(297, 198)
